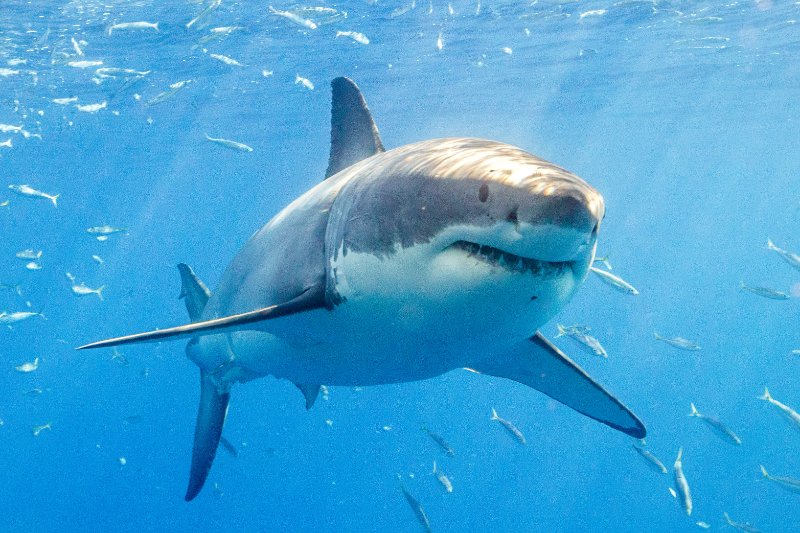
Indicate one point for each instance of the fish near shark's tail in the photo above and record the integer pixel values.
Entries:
(694, 412)
(766, 396)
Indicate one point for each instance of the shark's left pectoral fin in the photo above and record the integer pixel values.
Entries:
(210, 418)
(539, 364)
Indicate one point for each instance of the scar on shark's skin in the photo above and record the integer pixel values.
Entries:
(394, 254)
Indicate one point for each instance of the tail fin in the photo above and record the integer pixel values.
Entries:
(764, 471)
(561, 331)
(766, 396)
(679, 459)
(494, 415)
(657, 336)
(210, 419)
(155, 26)
(99, 292)
(727, 519)
(771, 245)
(694, 412)
(54, 199)
(434, 468)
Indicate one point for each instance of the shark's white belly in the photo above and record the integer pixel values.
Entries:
(402, 319)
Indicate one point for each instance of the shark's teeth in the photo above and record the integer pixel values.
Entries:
(509, 261)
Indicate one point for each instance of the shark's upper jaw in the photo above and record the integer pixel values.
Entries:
(511, 262)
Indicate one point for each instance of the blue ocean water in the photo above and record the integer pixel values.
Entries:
(683, 114)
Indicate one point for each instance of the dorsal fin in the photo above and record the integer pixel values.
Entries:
(193, 291)
(354, 135)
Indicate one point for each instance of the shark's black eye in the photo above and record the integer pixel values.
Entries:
(483, 193)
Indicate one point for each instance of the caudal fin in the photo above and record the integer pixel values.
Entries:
(771, 245)
(494, 415)
(210, 419)
(694, 412)
(764, 471)
(657, 336)
(766, 396)
(99, 292)
(54, 199)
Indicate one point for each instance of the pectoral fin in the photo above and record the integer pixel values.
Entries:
(210, 419)
(539, 364)
(311, 298)
(193, 292)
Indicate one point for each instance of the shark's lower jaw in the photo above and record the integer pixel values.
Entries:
(511, 262)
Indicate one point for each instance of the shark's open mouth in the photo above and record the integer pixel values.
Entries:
(509, 261)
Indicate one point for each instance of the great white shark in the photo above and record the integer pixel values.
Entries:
(400, 266)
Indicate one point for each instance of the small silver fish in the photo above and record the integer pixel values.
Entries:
(17, 316)
(419, 512)
(7, 144)
(402, 10)
(788, 483)
(38, 429)
(443, 444)
(140, 25)
(511, 428)
(84, 64)
(678, 342)
(764, 292)
(104, 230)
(113, 72)
(97, 259)
(354, 35)
(789, 257)
(204, 13)
(719, 428)
(652, 461)
(218, 33)
(83, 290)
(65, 101)
(33, 265)
(29, 253)
(581, 334)
(229, 144)
(30, 192)
(28, 367)
(788, 413)
(443, 479)
(615, 281)
(741, 526)
(297, 19)
(225, 59)
(682, 485)
(169, 93)
(305, 82)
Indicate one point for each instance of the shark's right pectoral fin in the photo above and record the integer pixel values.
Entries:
(310, 299)
(539, 364)
(210, 419)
